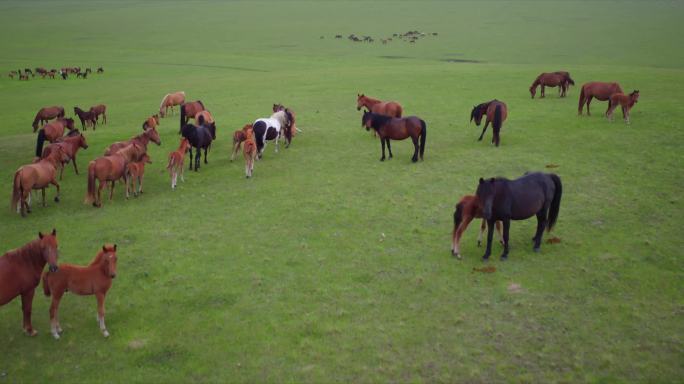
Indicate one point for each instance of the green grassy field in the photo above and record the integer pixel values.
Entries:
(328, 265)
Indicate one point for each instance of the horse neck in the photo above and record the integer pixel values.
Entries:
(368, 102)
(30, 254)
(536, 82)
(97, 260)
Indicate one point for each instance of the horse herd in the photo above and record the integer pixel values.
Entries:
(497, 201)
(44, 73)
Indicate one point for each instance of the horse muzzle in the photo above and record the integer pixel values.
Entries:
(113, 275)
(53, 268)
(358, 108)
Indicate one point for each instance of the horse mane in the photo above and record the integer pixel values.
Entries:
(163, 100)
(378, 120)
(479, 109)
(107, 248)
(27, 250)
(200, 103)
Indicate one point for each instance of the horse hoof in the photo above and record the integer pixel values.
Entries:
(457, 255)
(55, 335)
(485, 258)
(504, 257)
(105, 333)
(536, 249)
(31, 332)
(56, 199)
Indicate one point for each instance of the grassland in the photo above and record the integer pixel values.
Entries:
(329, 265)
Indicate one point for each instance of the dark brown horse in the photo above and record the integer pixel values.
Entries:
(467, 209)
(45, 114)
(99, 110)
(496, 112)
(70, 145)
(599, 90)
(387, 108)
(624, 101)
(110, 169)
(189, 110)
(142, 140)
(555, 79)
(52, 131)
(38, 175)
(86, 117)
(392, 128)
(20, 271)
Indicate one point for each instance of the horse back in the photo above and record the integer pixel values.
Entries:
(491, 109)
(529, 194)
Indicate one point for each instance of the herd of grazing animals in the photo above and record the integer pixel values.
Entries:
(44, 73)
(497, 200)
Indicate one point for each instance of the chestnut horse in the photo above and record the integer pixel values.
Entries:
(142, 140)
(151, 122)
(98, 110)
(45, 114)
(387, 108)
(135, 171)
(94, 279)
(599, 90)
(170, 100)
(176, 160)
(188, 110)
(70, 145)
(467, 209)
(397, 129)
(249, 152)
(205, 118)
(238, 137)
(86, 117)
(20, 271)
(38, 175)
(51, 132)
(109, 169)
(496, 112)
(546, 79)
(625, 101)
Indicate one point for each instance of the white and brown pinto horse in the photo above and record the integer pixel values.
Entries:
(272, 128)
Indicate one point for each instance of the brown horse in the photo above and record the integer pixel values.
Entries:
(549, 80)
(135, 171)
(99, 110)
(86, 117)
(496, 112)
(238, 137)
(599, 90)
(249, 151)
(110, 169)
(293, 127)
(188, 110)
(467, 209)
(205, 118)
(625, 101)
(387, 108)
(176, 160)
(38, 175)
(52, 131)
(70, 145)
(142, 140)
(397, 129)
(20, 271)
(151, 122)
(94, 279)
(170, 100)
(45, 114)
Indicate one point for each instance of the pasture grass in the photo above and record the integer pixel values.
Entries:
(329, 265)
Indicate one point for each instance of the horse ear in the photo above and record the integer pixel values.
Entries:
(40, 235)
(114, 247)
(492, 179)
(104, 248)
(481, 180)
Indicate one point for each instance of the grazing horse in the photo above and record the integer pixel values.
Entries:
(238, 137)
(20, 271)
(387, 108)
(86, 117)
(467, 209)
(141, 140)
(70, 144)
(170, 100)
(397, 129)
(99, 110)
(568, 80)
(549, 80)
(532, 194)
(151, 122)
(52, 131)
(625, 101)
(268, 129)
(176, 160)
(249, 151)
(94, 279)
(199, 137)
(100, 70)
(135, 171)
(599, 90)
(205, 118)
(38, 175)
(188, 110)
(109, 169)
(45, 114)
(496, 112)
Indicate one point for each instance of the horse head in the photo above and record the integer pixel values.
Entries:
(69, 123)
(48, 248)
(153, 135)
(278, 107)
(109, 260)
(366, 120)
(82, 141)
(360, 101)
(533, 92)
(634, 96)
(145, 158)
(485, 193)
(477, 113)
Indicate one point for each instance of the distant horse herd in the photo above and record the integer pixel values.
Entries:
(63, 72)
(497, 201)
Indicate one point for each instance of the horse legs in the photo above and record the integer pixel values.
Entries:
(625, 114)
(198, 156)
(104, 118)
(26, 305)
(56, 329)
(98, 199)
(389, 148)
(42, 190)
(140, 185)
(541, 224)
(416, 148)
(205, 155)
(542, 92)
(589, 102)
(483, 130)
(235, 150)
(382, 143)
(506, 228)
(190, 165)
(73, 160)
(490, 233)
(54, 182)
(101, 313)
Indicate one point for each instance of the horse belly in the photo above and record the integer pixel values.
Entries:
(271, 133)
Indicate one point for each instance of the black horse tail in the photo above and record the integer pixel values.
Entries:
(46, 285)
(61, 112)
(202, 104)
(581, 101)
(182, 117)
(423, 135)
(496, 124)
(200, 120)
(40, 142)
(555, 203)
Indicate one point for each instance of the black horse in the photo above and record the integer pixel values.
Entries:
(199, 137)
(532, 194)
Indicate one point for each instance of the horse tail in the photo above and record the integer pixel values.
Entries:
(90, 195)
(35, 122)
(182, 116)
(200, 119)
(582, 97)
(39, 142)
(16, 190)
(46, 286)
(423, 135)
(171, 161)
(555, 203)
(202, 104)
(496, 124)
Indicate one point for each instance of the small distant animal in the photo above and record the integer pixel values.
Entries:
(338, 36)
(176, 161)
(135, 172)
(496, 112)
(552, 79)
(392, 128)
(87, 118)
(249, 151)
(596, 89)
(23, 76)
(93, 279)
(625, 101)
(64, 75)
(38, 175)
(88, 70)
(100, 70)
(467, 209)
(109, 169)
(46, 114)
(99, 110)
(238, 137)
(83, 75)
